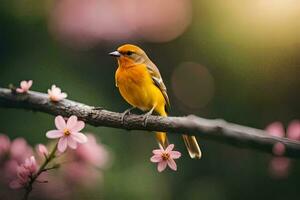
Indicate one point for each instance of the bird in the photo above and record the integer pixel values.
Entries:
(141, 85)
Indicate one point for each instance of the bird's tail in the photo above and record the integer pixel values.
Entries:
(192, 146)
(189, 141)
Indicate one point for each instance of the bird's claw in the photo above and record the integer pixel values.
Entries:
(126, 112)
(146, 115)
(145, 118)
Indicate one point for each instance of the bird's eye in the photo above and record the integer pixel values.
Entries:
(128, 53)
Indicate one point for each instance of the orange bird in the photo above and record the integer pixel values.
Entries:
(141, 85)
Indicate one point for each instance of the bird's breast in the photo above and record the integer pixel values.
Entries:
(136, 86)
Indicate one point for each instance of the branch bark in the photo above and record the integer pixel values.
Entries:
(211, 129)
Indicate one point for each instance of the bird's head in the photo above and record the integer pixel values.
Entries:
(129, 54)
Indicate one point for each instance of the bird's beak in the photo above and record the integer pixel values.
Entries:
(115, 54)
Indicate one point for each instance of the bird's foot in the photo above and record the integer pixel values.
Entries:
(145, 117)
(126, 112)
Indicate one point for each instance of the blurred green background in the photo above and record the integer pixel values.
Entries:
(236, 60)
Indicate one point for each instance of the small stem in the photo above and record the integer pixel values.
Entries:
(42, 168)
(26, 195)
(38, 181)
(50, 168)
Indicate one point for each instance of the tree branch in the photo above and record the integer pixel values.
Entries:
(216, 129)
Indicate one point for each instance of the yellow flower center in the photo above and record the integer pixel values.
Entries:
(66, 132)
(165, 156)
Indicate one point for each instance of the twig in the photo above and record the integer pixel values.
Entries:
(212, 129)
(42, 169)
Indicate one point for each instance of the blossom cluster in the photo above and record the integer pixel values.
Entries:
(13, 155)
(21, 166)
(280, 166)
(55, 94)
(24, 172)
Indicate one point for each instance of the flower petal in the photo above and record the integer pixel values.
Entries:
(72, 121)
(161, 166)
(156, 158)
(55, 90)
(60, 123)
(29, 83)
(54, 134)
(42, 150)
(278, 149)
(78, 126)
(157, 151)
(79, 137)
(24, 85)
(62, 144)
(20, 90)
(172, 164)
(15, 184)
(175, 154)
(169, 148)
(293, 131)
(63, 95)
(72, 143)
(276, 129)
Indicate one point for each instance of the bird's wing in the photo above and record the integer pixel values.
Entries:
(116, 77)
(156, 77)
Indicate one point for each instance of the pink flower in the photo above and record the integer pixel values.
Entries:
(165, 157)
(9, 169)
(280, 166)
(12, 154)
(55, 94)
(42, 150)
(293, 130)
(24, 86)
(30, 164)
(67, 132)
(277, 129)
(81, 173)
(19, 150)
(24, 173)
(93, 153)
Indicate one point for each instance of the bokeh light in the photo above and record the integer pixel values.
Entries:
(193, 85)
(85, 23)
(255, 24)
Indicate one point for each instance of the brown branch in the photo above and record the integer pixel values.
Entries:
(216, 129)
